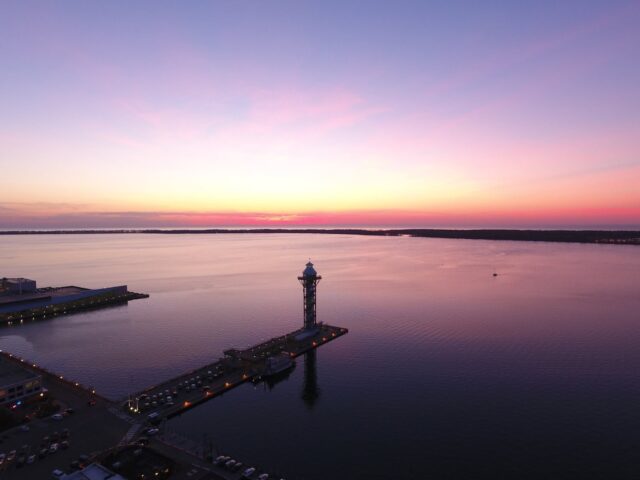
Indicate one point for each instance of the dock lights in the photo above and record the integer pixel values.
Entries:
(245, 376)
(314, 343)
(227, 384)
(187, 403)
(61, 377)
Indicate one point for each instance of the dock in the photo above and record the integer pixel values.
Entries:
(192, 388)
(21, 300)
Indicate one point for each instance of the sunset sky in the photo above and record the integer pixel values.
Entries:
(274, 113)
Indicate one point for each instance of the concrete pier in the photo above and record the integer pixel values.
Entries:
(236, 367)
(49, 302)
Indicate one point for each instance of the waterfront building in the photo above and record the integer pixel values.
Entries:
(17, 384)
(18, 285)
(20, 299)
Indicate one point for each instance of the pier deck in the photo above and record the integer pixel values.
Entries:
(235, 368)
(54, 301)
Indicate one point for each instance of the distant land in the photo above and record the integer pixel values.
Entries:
(623, 237)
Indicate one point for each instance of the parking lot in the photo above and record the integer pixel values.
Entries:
(89, 429)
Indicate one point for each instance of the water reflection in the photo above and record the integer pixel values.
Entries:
(310, 389)
(272, 380)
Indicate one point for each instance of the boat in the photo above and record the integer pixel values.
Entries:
(277, 364)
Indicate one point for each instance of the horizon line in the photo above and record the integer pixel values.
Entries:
(610, 237)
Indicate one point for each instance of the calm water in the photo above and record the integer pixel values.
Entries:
(447, 372)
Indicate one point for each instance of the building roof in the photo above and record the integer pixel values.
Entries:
(95, 471)
(46, 292)
(309, 271)
(12, 373)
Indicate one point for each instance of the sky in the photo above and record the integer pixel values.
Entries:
(325, 113)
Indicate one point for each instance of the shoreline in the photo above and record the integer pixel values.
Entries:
(609, 237)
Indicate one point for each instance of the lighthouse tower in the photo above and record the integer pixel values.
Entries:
(309, 279)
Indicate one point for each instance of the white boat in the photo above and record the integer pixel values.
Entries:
(278, 363)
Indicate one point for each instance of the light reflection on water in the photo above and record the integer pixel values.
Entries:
(447, 371)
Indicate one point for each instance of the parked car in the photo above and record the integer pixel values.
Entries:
(31, 459)
(57, 474)
(57, 416)
(248, 472)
